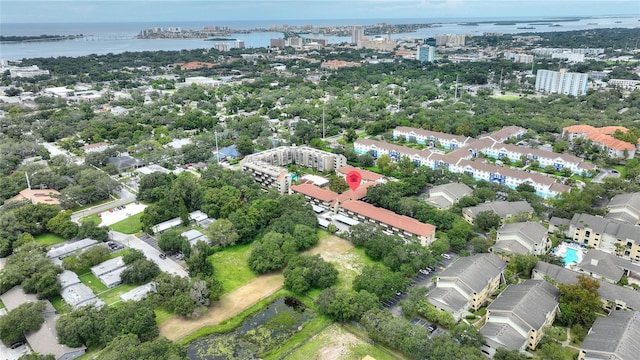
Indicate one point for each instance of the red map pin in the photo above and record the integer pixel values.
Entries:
(353, 179)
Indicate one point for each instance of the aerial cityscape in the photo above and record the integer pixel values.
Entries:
(335, 180)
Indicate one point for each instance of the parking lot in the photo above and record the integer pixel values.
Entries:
(120, 213)
(6, 352)
(168, 265)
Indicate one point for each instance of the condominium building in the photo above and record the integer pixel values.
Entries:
(613, 337)
(603, 138)
(357, 33)
(267, 167)
(561, 82)
(607, 234)
(426, 53)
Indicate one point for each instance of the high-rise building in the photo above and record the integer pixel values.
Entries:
(430, 41)
(561, 82)
(277, 43)
(357, 33)
(239, 44)
(426, 53)
(221, 46)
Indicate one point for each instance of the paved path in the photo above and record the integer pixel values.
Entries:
(167, 265)
(230, 305)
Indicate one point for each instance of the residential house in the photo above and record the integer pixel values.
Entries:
(504, 209)
(616, 336)
(467, 283)
(96, 147)
(447, 195)
(517, 318)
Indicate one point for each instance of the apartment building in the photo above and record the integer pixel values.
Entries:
(561, 82)
(613, 337)
(625, 207)
(613, 147)
(268, 167)
(446, 195)
(431, 138)
(517, 318)
(467, 283)
(504, 209)
(607, 234)
(522, 238)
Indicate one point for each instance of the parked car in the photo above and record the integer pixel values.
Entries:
(425, 271)
(431, 328)
(446, 256)
(163, 256)
(398, 293)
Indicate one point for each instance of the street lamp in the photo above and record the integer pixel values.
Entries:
(26, 174)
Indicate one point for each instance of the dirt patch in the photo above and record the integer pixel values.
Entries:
(338, 345)
(331, 247)
(229, 306)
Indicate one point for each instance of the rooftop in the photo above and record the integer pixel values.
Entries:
(40, 196)
(474, 271)
(502, 208)
(618, 333)
(401, 222)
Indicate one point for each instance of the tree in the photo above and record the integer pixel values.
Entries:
(172, 241)
(580, 302)
(305, 236)
(139, 272)
(486, 220)
(129, 347)
(306, 272)
(271, 252)
(88, 229)
(337, 184)
(406, 166)
(380, 281)
(504, 354)
(62, 225)
(21, 321)
(344, 304)
(480, 245)
(198, 263)
(384, 163)
(132, 255)
(222, 233)
(244, 145)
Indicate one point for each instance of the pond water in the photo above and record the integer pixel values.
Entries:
(256, 335)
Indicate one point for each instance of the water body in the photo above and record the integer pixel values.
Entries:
(103, 38)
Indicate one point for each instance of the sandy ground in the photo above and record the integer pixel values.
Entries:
(338, 344)
(110, 218)
(229, 306)
(331, 248)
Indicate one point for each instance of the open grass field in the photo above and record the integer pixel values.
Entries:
(335, 343)
(348, 260)
(130, 225)
(112, 296)
(162, 315)
(93, 283)
(49, 239)
(230, 267)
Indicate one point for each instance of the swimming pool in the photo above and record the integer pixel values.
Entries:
(570, 256)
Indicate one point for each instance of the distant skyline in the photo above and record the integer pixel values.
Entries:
(86, 11)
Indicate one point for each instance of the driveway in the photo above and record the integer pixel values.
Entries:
(166, 265)
(605, 173)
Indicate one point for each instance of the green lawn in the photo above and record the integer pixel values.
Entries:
(130, 225)
(230, 267)
(60, 306)
(93, 283)
(49, 239)
(94, 218)
(162, 315)
(113, 295)
(350, 265)
(1, 305)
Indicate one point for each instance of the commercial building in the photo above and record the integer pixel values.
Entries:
(96, 147)
(517, 318)
(69, 247)
(38, 196)
(426, 53)
(467, 283)
(616, 336)
(561, 82)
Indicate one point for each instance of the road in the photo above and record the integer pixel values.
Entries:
(605, 173)
(166, 265)
(125, 198)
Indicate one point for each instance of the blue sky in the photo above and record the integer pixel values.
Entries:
(32, 11)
